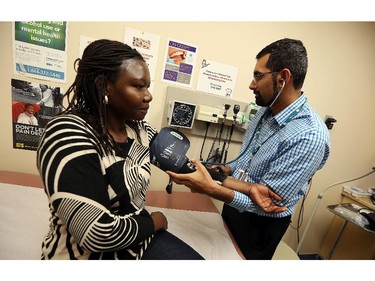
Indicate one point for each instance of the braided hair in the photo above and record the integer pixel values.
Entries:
(101, 61)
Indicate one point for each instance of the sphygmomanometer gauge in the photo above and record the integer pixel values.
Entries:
(182, 114)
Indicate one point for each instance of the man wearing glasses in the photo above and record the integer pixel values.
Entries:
(285, 144)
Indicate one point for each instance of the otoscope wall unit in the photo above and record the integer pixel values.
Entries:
(182, 105)
(217, 114)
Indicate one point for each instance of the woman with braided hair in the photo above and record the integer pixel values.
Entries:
(95, 164)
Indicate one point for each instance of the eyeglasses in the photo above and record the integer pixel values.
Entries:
(257, 76)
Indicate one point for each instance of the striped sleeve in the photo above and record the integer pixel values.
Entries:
(69, 161)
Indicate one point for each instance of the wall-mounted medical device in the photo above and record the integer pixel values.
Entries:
(180, 104)
(181, 114)
(215, 114)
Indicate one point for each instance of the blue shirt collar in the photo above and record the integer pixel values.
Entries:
(282, 116)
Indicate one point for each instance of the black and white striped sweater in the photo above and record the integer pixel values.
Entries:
(96, 200)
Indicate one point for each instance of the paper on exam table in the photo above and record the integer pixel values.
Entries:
(203, 231)
(24, 222)
(25, 219)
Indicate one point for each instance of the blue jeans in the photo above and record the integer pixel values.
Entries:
(166, 246)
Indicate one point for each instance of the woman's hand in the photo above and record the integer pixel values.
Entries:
(160, 221)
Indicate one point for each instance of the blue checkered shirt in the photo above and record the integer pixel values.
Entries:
(291, 148)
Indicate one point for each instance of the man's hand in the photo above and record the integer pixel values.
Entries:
(264, 197)
(199, 181)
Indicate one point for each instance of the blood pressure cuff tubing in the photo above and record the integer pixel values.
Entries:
(217, 176)
(167, 152)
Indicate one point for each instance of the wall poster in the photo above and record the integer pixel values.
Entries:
(39, 49)
(84, 41)
(216, 78)
(179, 63)
(146, 44)
(33, 105)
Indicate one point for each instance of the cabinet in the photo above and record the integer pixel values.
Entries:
(354, 243)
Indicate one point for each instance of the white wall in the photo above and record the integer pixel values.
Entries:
(339, 83)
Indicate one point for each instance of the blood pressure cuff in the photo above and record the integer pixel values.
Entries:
(168, 149)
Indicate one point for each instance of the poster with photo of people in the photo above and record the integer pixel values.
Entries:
(33, 105)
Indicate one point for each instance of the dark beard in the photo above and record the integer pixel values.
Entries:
(261, 102)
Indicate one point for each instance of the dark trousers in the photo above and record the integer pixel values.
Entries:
(166, 246)
(256, 236)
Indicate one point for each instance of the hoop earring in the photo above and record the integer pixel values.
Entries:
(105, 101)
